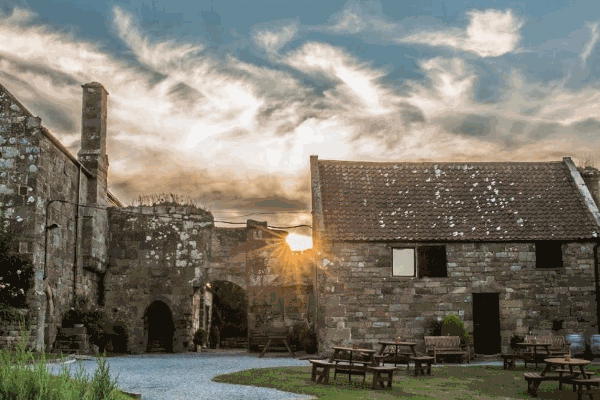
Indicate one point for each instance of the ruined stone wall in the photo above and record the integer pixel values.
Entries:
(36, 169)
(361, 302)
(228, 256)
(280, 287)
(156, 253)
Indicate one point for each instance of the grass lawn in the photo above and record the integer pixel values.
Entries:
(448, 382)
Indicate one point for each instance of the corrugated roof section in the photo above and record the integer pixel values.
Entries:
(452, 201)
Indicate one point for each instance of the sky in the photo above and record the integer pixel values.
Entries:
(225, 101)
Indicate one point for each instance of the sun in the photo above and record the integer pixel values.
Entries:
(298, 242)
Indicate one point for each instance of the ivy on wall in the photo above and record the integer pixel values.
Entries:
(16, 273)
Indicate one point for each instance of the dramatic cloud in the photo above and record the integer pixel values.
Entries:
(162, 56)
(234, 125)
(490, 33)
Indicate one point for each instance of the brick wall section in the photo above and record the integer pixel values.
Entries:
(156, 253)
(361, 302)
(34, 169)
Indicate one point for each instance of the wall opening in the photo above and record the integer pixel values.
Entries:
(159, 328)
(229, 319)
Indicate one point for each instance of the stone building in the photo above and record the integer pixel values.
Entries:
(49, 198)
(506, 246)
(147, 267)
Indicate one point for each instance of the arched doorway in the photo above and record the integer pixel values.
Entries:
(159, 327)
(228, 319)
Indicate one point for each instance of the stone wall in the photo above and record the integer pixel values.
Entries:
(35, 169)
(280, 286)
(228, 256)
(156, 253)
(360, 301)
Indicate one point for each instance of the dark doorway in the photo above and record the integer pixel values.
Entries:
(486, 323)
(229, 319)
(158, 323)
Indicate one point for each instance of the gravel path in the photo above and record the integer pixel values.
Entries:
(188, 376)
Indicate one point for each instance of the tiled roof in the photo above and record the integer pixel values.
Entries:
(452, 201)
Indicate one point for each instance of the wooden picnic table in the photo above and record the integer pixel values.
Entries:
(396, 357)
(276, 337)
(534, 380)
(356, 364)
(535, 353)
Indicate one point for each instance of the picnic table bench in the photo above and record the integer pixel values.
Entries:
(320, 371)
(588, 391)
(445, 345)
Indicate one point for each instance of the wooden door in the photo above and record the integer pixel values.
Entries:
(486, 323)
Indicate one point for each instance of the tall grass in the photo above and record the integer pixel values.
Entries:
(22, 378)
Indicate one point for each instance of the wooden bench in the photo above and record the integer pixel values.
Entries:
(320, 371)
(534, 380)
(356, 368)
(559, 347)
(445, 345)
(509, 361)
(588, 391)
(420, 363)
(391, 358)
(381, 375)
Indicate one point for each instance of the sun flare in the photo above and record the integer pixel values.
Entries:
(299, 242)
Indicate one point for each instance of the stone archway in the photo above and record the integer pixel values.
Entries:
(159, 328)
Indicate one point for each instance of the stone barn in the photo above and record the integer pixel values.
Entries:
(506, 246)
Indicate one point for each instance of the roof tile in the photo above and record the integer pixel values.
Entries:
(452, 201)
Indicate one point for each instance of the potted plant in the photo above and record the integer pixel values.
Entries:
(199, 339)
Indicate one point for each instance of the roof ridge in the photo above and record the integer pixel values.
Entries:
(438, 162)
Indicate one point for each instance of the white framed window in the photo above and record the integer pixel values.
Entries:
(403, 262)
(421, 261)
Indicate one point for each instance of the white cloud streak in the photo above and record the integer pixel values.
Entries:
(490, 33)
(273, 40)
(589, 46)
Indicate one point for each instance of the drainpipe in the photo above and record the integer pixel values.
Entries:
(597, 287)
(75, 252)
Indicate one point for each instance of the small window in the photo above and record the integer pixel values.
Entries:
(548, 254)
(429, 261)
(432, 261)
(403, 262)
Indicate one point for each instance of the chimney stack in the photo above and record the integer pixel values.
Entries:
(93, 140)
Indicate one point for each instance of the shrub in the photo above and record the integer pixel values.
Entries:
(516, 339)
(303, 337)
(95, 321)
(120, 338)
(453, 326)
(17, 273)
(199, 337)
(435, 328)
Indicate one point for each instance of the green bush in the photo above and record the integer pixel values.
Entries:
(516, 339)
(16, 277)
(199, 337)
(95, 321)
(453, 326)
(303, 337)
(435, 328)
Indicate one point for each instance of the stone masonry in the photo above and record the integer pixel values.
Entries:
(362, 302)
(157, 253)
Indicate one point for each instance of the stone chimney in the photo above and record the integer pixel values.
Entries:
(93, 140)
(591, 177)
